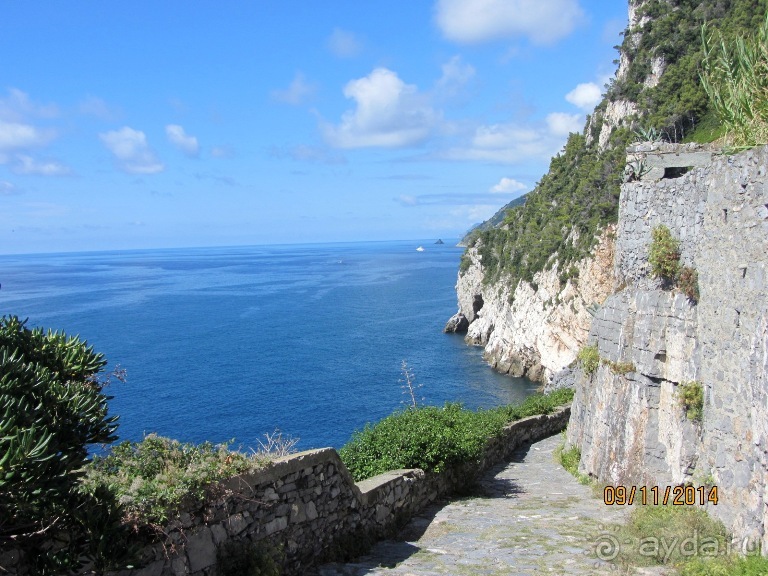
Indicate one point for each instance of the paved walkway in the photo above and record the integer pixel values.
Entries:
(528, 516)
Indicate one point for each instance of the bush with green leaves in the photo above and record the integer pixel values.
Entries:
(688, 283)
(589, 357)
(156, 478)
(692, 400)
(664, 254)
(434, 438)
(52, 409)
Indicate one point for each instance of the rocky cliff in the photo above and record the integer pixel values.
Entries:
(632, 427)
(535, 329)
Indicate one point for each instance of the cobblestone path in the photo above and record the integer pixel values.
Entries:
(528, 516)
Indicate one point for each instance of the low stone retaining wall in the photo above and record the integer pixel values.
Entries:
(308, 506)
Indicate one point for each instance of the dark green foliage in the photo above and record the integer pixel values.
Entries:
(679, 102)
(735, 78)
(246, 558)
(433, 438)
(155, 478)
(664, 254)
(493, 221)
(579, 195)
(464, 263)
(52, 409)
(570, 205)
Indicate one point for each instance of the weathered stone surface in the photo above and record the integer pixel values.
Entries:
(200, 550)
(632, 428)
(458, 323)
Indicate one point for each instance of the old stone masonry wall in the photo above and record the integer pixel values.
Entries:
(308, 507)
(632, 427)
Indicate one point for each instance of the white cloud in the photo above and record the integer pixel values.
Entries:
(222, 152)
(18, 106)
(296, 93)
(513, 143)
(506, 144)
(474, 21)
(388, 113)
(407, 200)
(344, 44)
(96, 107)
(27, 165)
(183, 141)
(508, 186)
(562, 124)
(586, 96)
(475, 213)
(6, 188)
(455, 75)
(130, 148)
(19, 136)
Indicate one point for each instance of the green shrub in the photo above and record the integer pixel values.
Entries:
(668, 527)
(157, 477)
(731, 565)
(589, 358)
(464, 263)
(433, 438)
(692, 400)
(688, 283)
(664, 254)
(52, 409)
(569, 459)
(735, 78)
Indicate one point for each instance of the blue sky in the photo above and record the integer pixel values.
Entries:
(162, 124)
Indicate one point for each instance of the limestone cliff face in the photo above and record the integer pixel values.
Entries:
(539, 331)
(632, 428)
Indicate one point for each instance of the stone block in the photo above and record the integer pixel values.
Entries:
(298, 513)
(201, 550)
(276, 525)
(236, 524)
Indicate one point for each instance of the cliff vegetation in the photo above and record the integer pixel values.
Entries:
(659, 84)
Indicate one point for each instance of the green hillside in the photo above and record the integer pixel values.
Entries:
(579, 194)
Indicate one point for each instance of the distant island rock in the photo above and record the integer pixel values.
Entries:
(439, 241)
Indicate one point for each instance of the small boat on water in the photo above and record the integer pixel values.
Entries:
(420, 249)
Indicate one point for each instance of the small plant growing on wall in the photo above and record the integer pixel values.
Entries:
(688, 283)
(692, 400)
(664, 255)
(589, 358)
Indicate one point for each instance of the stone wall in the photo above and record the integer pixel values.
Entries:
(632, 428)
(308, 506)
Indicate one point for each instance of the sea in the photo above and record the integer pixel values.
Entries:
(232, 344)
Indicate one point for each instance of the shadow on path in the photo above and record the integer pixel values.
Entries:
(527, 516)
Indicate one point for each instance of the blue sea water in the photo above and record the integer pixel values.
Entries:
(223, 343)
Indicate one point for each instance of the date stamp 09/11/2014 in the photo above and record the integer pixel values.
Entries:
(654, 495)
